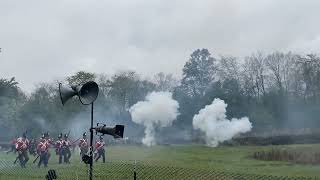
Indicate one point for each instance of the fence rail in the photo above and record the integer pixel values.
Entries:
(128, 170)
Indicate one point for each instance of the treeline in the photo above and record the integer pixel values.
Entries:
(276, 91)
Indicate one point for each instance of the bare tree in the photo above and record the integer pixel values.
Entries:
(281, 67)
(309, 70)
(165, 82)
(254, 74)
(229, 68)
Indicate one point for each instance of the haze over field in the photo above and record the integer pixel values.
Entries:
(258, 57)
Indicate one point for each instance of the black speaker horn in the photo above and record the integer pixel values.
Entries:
(87, 93)
(116, 132)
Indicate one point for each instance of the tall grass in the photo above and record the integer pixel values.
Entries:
(295, 156)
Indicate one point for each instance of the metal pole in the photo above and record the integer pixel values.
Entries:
(134, 171)
(91, 140)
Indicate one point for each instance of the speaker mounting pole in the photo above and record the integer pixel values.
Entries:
(91, 146)
(87, 94)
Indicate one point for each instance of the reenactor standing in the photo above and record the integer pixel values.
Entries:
(13, 145)
(66, 149)
(100, 150)
(58, 146)
(43, 151)
(83, 144)
(21, 147)
(49, 141)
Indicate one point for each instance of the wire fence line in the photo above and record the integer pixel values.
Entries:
(124, 170)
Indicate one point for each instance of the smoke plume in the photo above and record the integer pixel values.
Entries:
(158, 110)
(212, 120)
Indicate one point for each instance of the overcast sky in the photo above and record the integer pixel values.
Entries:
(46, 40)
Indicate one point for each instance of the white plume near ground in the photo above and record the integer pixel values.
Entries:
(212, 120)
(157, 110)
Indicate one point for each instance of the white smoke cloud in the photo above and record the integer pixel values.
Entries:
(158, 110)
(212, 120)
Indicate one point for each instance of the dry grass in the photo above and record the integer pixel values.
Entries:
(296, 156)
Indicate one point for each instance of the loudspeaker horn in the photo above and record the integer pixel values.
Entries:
(116, 132)
(87, 93)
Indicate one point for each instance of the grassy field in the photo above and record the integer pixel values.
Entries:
(171, 162)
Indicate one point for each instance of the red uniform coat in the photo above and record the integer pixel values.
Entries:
(43, 146)
(22, 144)
(14, 141)
(100, 145)
(83, 143)
(66, 143)
(58, 144)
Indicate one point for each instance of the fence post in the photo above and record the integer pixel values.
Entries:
(134, 170)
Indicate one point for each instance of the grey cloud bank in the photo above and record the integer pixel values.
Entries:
(44, 40)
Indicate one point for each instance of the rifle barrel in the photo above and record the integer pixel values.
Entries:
(34, 161)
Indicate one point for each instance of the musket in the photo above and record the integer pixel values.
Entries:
(76, 140)
(16, 160)
(7, 152)
(35, 160)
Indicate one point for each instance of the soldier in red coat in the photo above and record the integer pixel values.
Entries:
(83, 144)
(66, 149)
(43, 151)
(58, 146)
(49, 142)
(13, 145)
(48, 139)
(100, 150)
(21, 147)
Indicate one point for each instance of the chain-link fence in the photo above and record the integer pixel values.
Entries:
(126, 170)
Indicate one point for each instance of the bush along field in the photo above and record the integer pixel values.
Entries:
(174, 162)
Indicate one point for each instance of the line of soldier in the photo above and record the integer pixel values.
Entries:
(62, 148)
